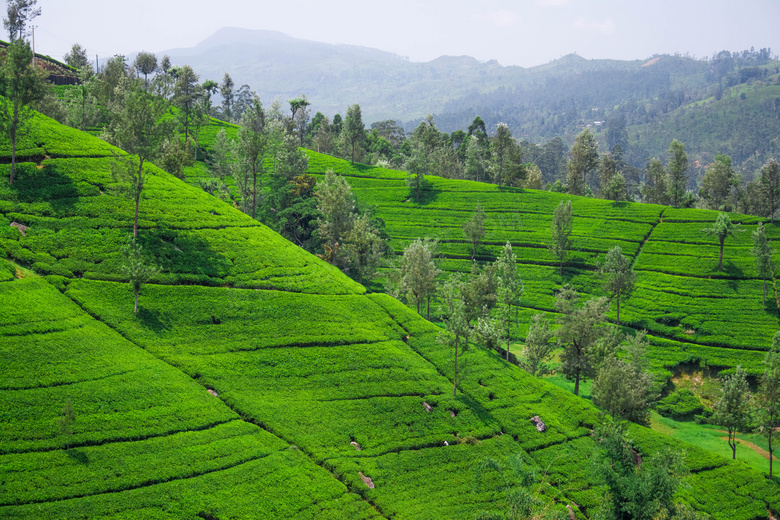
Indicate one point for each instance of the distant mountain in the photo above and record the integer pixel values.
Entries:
(557, 99)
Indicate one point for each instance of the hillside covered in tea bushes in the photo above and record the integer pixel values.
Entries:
(257, 381)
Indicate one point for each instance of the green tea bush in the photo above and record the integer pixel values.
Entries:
(681, 405)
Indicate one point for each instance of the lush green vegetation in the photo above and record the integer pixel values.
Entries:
(258, 381)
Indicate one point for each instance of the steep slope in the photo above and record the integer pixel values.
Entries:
(692, 312)
(300, 364)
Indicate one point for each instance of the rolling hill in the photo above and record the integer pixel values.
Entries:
(257, 381)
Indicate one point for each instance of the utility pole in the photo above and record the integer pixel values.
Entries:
(33, 44)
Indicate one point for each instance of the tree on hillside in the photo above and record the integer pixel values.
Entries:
(138, 127)
(612, 183)
(618, 276)
(641, 490)
(655, 189)
(418, 273)
(678, 166)
(145, 63)
(209, 88)
(185, 95)
(364, 247)
(336, 204)
(226, 91)
(251, 148)
(20, 85)
(77, 57)
(300, 114)
(353, 133)
(584, 159)
(623, 386)
(768, 397)
(18, 14)
(475, 160)
(560, 233)
(718, 182)
(732, 410)
(510, 288)
(578, 332)
(770, 186)
(83, 109)
(538, 347)
(474, 229)
(457, 334)
(763, 257)
(137, 269)
(424, 142)
(505, 165)
(722, 228)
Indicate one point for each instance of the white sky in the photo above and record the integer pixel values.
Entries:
(519, 32)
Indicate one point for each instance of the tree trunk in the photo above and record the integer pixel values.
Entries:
(428, 309)
(135, 308)
(455, 387)
(14, 127)
(777, 299)
(618, 310)
(769, 438)
(138, 188)
(254, 189)
(577, 383)
(763, 308)
(720, 260)
(733, 443)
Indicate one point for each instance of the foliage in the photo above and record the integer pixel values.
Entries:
(677, 168)
(643, 490)
(619, 277)
(578, 333)
(560, 233)
(680, 405)
(732, 410)
(623, 386)
(584, 158)
(136, 268)
(474, 229)
(722, 228)
(768, 396)
(418, 272)
(20, 85)
(538, 348)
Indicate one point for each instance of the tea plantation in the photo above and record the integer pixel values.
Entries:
(692, 312)
(257, 381)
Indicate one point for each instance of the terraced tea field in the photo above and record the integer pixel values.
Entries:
(693, 313)
(257, 381)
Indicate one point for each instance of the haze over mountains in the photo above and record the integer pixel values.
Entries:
(386, 86)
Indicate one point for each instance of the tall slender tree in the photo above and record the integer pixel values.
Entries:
(185, 95)
(618, 276)
(584, 159)
(722, 228)
(560, 233)
(138, 127)
(578, 333)
(251, 147)
(227, 93)
(20, 85)
(768, 397)
(762, 254)
(677, 167)
(474, 229)
(18, 14)
(770, 187)
(732, 410)
(510, 288)
(418, 272)
(353, 132)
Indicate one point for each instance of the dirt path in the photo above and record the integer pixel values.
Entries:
(757, 449)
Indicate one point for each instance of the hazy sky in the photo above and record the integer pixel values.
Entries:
(519, 32)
